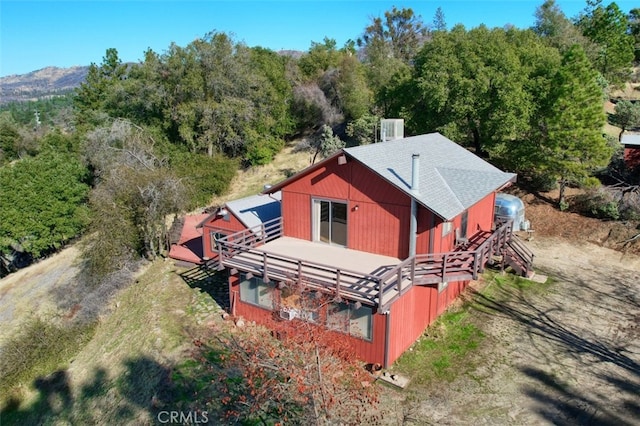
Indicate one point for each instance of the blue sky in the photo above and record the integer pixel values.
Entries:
(37, 34)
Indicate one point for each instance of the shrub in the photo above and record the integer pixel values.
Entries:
(261, 152)
(203, 176)
(40, 347)
(599, 203)
(629, 205)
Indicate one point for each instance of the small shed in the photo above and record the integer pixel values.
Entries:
(631, 142)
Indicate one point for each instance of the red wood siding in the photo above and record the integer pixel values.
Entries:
(632, 156)
(379, 228)
(380, 207)
(218, 224)
(481, 214)
(296, 214)
(368, 351)
(426, 219)
(409, 316)
(372, 351)
(414, 312)
(373, 205)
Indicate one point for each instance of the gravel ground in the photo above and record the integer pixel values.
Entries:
(569, 355)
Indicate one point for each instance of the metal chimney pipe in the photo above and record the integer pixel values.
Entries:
(415, 188)
(415, 173)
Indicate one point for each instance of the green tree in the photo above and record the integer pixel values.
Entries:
(363, 130)
(134, 195)
(355, 97)
(634, 30)
(469, 86)
(320, 58)
(101, 82)
(552, 25)
(328, 142)
(42, 203)
(572, 140)
(608, 28)
(401, 31)
(626, 116)
(389, 46)
(10, 137)
(439, 22)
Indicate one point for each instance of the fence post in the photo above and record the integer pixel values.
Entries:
(476, 265)
(444, 266)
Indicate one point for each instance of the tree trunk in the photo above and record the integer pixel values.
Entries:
(561, 200)
(476, 142)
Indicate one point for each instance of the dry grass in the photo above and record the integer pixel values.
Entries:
(27, 291)
(252, 180)
(123, 371)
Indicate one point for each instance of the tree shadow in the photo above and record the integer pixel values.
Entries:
(541, 323)
(606, 398)
(141, 391)
(209, 281)
(565, 406)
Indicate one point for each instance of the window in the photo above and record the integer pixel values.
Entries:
(351, 319)
(214, 237)
(253, 290)
(446, 228)
(330, 222)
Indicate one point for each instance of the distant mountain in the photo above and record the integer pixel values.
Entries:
(40, 84)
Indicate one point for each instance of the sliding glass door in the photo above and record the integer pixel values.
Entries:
(330, 222)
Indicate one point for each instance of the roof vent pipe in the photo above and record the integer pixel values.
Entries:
(413, 225)
(415, 172)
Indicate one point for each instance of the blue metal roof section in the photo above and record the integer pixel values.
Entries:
(256, 209)
(451, 178)
(631, 139)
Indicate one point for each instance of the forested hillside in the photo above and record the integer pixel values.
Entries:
(137, 143)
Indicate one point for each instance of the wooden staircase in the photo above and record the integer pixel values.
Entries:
(518, 256)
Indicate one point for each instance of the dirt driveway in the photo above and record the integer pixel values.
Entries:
(565, 356)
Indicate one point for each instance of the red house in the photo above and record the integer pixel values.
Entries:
(235, 216)
(392, 232)
(631, 142)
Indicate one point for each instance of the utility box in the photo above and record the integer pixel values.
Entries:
(391, 129)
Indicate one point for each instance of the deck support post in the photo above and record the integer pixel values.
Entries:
(265, 275)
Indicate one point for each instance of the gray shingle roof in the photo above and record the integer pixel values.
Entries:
(256, 209)
(451, 179)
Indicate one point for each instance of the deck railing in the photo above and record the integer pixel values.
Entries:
(241, 251)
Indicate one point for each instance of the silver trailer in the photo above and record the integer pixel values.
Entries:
(510, 207)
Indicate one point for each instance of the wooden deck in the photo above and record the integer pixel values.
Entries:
(369, 278)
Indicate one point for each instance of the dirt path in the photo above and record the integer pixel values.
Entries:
(29, 290)
(569, 355)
